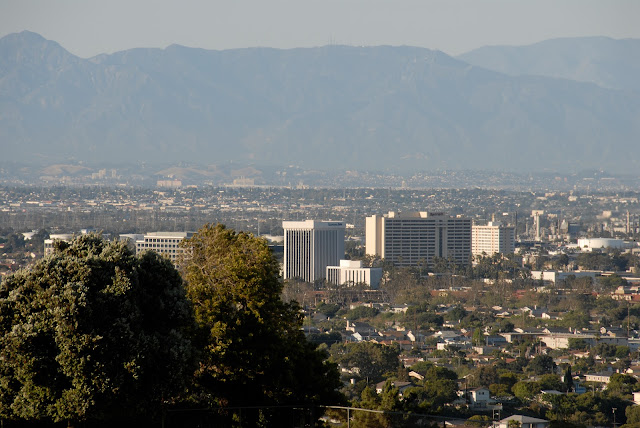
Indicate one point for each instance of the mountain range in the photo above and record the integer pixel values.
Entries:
(551, 106)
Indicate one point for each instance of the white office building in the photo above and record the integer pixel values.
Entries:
(492, 238)
(68, 237)
(415, 238)
(48, 243)
(166, 243)
(351, 272)
(310, 246)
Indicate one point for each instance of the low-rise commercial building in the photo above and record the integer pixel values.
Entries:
(351, 272)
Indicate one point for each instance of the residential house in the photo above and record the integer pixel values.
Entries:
(602, 377)
(402, 386)
(479, 398)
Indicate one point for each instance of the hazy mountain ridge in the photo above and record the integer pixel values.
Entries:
(607, 62)
(334, 107)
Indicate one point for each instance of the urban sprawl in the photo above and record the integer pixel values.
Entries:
(495, 306)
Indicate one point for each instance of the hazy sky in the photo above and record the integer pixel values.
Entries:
(89, 27)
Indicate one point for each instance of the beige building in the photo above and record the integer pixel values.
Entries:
(415, 238)
(492, 238)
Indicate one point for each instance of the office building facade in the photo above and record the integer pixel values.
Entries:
(310, 246)
(351, 272)
(492, 238)
(416, 238)
(165, 243)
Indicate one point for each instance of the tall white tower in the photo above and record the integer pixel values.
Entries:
(310, 246)
(536, 215)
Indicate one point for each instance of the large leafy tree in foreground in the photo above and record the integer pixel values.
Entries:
(254, 351)
(93, 333)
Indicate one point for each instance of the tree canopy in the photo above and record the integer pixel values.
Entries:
(368, 360)
(254, 352)
(93, 333)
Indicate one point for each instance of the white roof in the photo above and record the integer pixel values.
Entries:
(523, 419)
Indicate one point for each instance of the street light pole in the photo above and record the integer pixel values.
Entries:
(614, 417)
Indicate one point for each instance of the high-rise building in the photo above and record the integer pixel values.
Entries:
(310, 246)
(415, 238)
(492, 238)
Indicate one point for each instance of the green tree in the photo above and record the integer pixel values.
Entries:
(576, 319)
(485, 376)
(36, 243)
(479, 421)
(622, 351)
(525, 390)
(93, 333)
(633, 415)
(254, 352)
(457, 313)
(577, 343)
(541, 364)
(14, 243)
(370, 400)
(371, 361)
(499, 390)
(421, 367)
(328, 309)
(478, 337)
(362, 312)
(568, 379)
(508, 378)
(505, 326)
(622, 385)
(560, 262)
(432, 396)
(550, 381)
(612, 282)
(605, 350)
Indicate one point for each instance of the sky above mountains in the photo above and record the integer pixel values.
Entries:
(91, 27)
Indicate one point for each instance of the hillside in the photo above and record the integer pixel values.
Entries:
(604, 61)
(366, 108)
